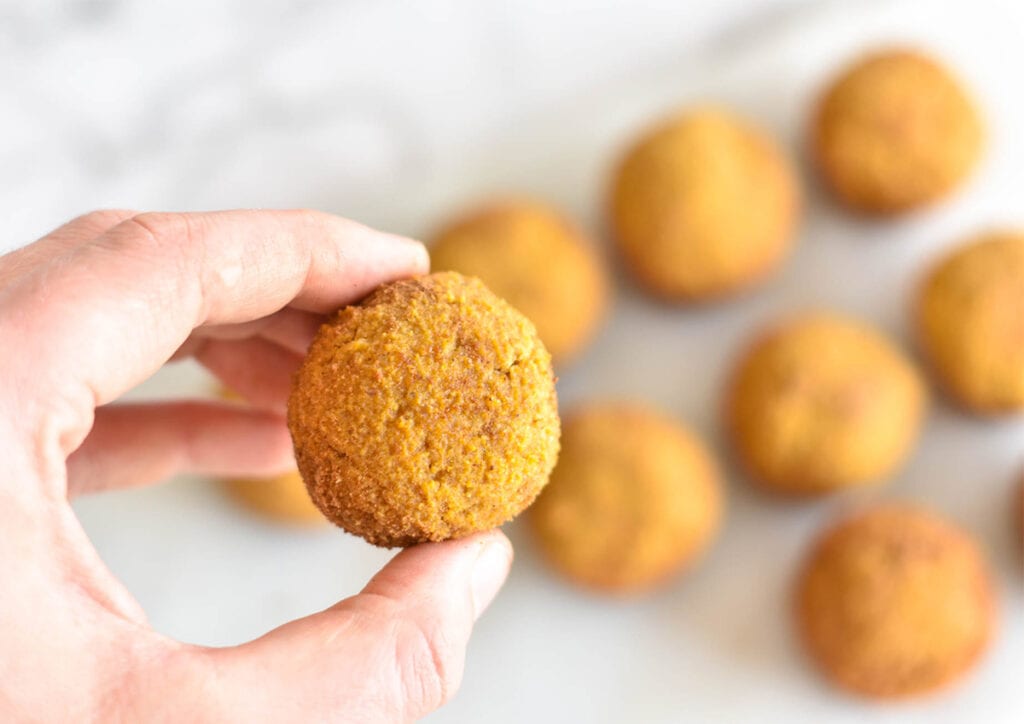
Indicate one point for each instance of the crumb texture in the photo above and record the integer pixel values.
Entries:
(535, 259)
(425, 413)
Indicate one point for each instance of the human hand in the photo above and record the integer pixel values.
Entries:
(96, 307)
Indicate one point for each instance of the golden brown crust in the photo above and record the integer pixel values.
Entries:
(970, 322)
(894, 602)
(821, 402)
(534, 258)
(282, 498)
(895, 132)
(427, 412)
(703, 206)
(634, 499)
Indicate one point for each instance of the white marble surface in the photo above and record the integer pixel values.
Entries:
(337, 105)
(398, 112)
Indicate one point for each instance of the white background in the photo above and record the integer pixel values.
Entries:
(400, 113)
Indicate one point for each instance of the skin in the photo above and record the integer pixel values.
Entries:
(93, 309)
(280, 498)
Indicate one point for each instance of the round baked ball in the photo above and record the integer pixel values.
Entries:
(538, 261)
(703, 206)
(282, 498)
(971, 323)
(424, 413)
(634, 499)
(895, 602)
(822, 402)
(895, 132)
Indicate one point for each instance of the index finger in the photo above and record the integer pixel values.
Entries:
(100, 319)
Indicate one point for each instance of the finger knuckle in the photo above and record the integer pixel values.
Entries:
(132, 697)
(103, 218)
(429, 664)
(159, 228)
(149, 235)
(309, 216)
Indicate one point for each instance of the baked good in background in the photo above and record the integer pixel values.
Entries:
(536, 259)
(894, 132)
(822, 402)
(282, 498)
(279, 498)
(703, 206)
(425, 412)
(895, 602)
(970, 320)
(634, 499)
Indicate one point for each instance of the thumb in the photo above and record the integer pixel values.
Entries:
(393, 653)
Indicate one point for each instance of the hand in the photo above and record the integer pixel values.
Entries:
(96, 307)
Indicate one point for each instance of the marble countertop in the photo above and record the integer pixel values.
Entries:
(396, 114)
(231, 103)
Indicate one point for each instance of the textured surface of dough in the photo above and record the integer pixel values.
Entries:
(424, 413)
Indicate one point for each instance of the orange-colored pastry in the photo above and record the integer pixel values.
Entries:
(282, 498)
(424, 413)
(822, 402)
(895, 132)
(535, 259)
(971, 323)
(895, 602)
(635, 498)
(703, 206)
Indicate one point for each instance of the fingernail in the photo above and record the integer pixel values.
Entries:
(489, 573)
(415, 248)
